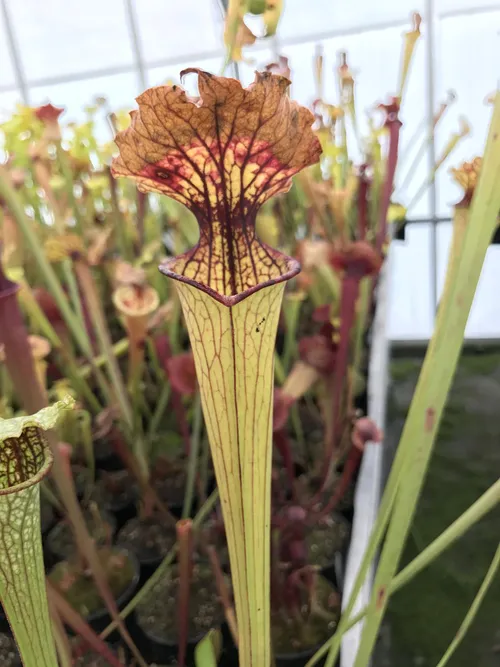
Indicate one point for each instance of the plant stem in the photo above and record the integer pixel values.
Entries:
(18, 356)
(142, 208)
(350, 468)
(49, 275)
(291, 309)
(174, 324)
(378, 532)
(149, 496)
(119, 349)
(120, 224)
(68, 177)
(459, 527)
(203, 513)
(394, 126)
(160, 408)
(454, 532)
(78, 625)
(362, 197)
(14, 203)
(436, 377)
(223, 593)
(87, 285)
(349, 297)
(204, 461)
(471, 614)
(15, 341)
(154, 361)
(279, 370)
(86, 545)
(63, 646)
(460, 222)
(69, 367)
(193, 457)
(364, 303)
(330, 280)
(74, 292)
(164, 351)
(184, 529)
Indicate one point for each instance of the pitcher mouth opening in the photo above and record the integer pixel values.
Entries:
(290, 265)
(35, 469)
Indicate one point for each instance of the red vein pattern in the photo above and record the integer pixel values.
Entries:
(233, 350)
(24, 461)
(222, 155)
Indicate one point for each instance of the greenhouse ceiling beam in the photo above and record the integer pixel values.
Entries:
(182, 59)
(430, 49)
(15, 56)
(133, 28)
(23, 84)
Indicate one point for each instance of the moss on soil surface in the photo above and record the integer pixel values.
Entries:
(78, 587)
(157, 614)
(424, 616)
(289, 636)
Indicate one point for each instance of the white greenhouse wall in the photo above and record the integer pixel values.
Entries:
(68, 52)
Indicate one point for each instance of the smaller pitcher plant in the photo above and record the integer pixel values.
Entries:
(25, 459)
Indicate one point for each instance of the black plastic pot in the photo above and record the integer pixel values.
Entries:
(155, 618)
(86, 656)
(105, 457)
(100, 619)
(47, 517)
(297, 659)
(52, 551)
(159, 650)
(8, 645)
(229, 656)
(81, 478)
(148, 554)
(123, 505)
(347, 512)
(168, 478)
(4, 623)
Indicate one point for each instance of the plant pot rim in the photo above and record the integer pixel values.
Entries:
(144, 561)
(299, 655)
(111, 504)
(126, 594)
(164, 641)
(105, 515)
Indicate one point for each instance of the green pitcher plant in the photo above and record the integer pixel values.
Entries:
(25, 459)
(223, 155)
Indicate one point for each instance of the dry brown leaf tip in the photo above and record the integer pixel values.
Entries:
(466, 176)
(222, 155)
(230, 141)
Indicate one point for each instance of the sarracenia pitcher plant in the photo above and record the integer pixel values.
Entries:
(25, 459)
(223, 155)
